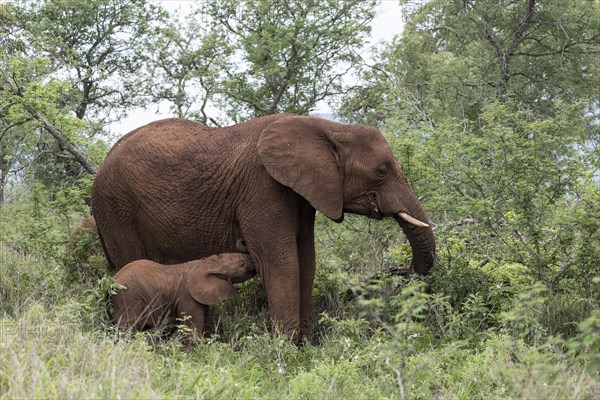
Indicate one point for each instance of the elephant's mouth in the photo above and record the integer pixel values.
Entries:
(366, 205)
(374, 212)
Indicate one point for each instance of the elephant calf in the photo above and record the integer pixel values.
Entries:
(157, 294)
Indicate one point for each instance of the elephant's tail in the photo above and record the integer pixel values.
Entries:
(111, 265)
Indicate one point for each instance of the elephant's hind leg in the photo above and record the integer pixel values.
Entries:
(128, 316)
(121, 241)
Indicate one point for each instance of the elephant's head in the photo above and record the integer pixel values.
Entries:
(210, 281)
(346, 168)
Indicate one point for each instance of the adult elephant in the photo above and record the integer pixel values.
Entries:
(175, 190)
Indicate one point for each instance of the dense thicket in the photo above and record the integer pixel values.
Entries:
(492, 109)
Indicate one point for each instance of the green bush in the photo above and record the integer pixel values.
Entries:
(84, 259)
(25, 278)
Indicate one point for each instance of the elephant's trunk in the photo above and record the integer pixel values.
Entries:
(400, 201)
(421, 239)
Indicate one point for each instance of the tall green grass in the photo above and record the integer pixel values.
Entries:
(483, 333)
(47, 353)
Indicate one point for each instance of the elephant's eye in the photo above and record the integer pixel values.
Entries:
(382, 171)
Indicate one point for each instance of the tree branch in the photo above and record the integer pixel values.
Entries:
(523, 25)
(62, 140)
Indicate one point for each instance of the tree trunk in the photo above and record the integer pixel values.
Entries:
(3, 177)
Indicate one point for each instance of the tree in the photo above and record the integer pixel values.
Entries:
(12, 146)
(292, 54)
(455, 56)
(70, 78)
(188, 60)
(492, 108)
(98, 46)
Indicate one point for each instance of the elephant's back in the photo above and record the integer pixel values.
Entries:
(134, 270)
(163, 132)
(167, 149)
(180, 135)
(158, 157)
(150, 276)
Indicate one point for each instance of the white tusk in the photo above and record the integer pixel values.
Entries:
(412, 220)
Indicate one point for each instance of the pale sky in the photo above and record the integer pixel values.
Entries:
(388, 23)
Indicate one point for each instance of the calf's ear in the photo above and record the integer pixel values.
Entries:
(208, 288)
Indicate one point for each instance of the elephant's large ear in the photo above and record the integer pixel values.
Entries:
(207, 288)
(299, 153)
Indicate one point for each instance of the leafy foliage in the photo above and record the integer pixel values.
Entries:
(294, 53)
(93, 47)
(189, 60)
(61, 83)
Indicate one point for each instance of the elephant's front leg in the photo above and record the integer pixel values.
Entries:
(307, 265)
(274, 253)
(280, 275)
(193, 313)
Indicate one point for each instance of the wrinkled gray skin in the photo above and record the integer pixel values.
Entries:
(175, 190)
(158, 294)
